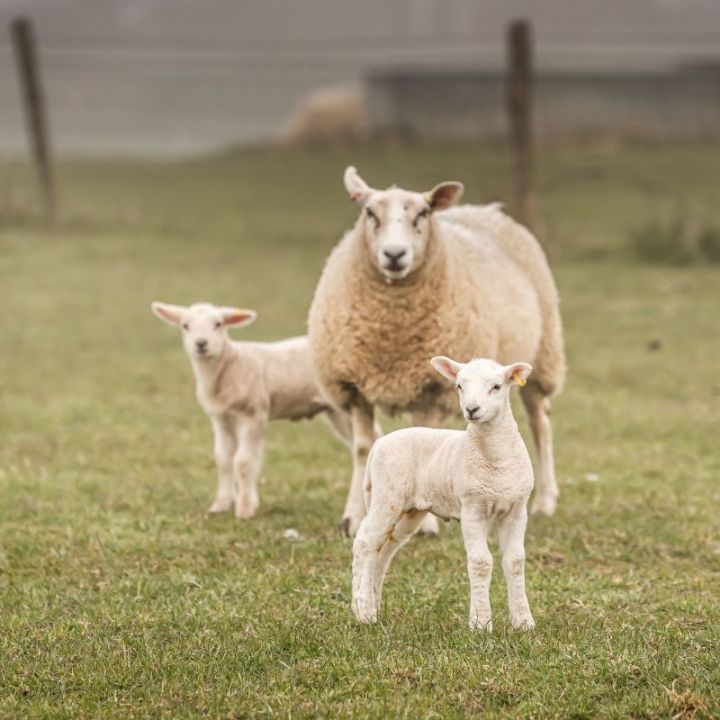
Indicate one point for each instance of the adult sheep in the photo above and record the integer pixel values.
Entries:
(414, 278)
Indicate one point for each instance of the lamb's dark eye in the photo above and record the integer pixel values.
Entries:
(218, 324)
(422, 214)
(459, 387)
(373, 217)
(185, 326)
(495, 388)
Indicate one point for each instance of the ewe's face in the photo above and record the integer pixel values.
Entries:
(397, 228)
(203, 326)
(396, 223)
(482, 385)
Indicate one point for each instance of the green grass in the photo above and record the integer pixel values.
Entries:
(120, 598)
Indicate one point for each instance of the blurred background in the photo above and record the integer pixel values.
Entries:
(168, 77)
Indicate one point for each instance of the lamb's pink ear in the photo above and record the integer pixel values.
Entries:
(237, 317)
(446, 367)
(356, 187)
(518, 373)
(444, 195)
(171, 314)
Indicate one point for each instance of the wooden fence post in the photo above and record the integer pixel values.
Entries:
(23, 39)
(519, 107)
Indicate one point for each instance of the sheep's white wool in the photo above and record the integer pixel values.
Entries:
(241, 386)
(479, 476)
(415, 277)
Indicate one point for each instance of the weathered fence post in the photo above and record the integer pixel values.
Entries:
(519, 106)
(26, 56)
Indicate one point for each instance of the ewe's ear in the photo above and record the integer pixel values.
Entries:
(236, 317)
(171, 314)
(518, 373)
(446, 367)
(356, 187)
(444, 195)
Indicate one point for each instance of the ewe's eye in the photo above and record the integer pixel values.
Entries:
(373, 217)
(459, 387)
(185, 326)
(218, 325)
(494, 388)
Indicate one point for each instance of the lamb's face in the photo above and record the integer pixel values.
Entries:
(204, 326)
(397, 224)
(483, 385)
(397, 229)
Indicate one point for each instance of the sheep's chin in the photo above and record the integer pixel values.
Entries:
(394, 275)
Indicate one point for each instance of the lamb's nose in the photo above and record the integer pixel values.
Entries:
(201, 344)
(472, 410)
(393, 257)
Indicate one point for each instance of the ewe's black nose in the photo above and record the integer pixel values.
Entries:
(201, 344)
(393, 257)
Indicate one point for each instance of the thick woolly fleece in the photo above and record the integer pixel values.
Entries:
(485, 289)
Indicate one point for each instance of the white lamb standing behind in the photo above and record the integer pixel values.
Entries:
(478, 475)
(241, 386)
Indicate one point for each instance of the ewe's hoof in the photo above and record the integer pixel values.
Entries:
(543, 504)
(429, 526)
(349, 526)
(364, 613)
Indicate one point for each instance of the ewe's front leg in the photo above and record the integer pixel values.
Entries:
(538, 410)
(512, 545)
(246, 466)
(361, 416)
(225, 447)
(475, 530)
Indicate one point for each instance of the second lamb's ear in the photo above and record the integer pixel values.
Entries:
(446, 367)
(356, 187)
(444, 195)
(171, 314)
(237, 317)
(518, 373)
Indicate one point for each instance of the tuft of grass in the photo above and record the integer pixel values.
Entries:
(119, 598)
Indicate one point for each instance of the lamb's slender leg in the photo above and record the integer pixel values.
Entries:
(512, 545)
(375, 532)
(475, 530)
(404, 529)
(225, 446)
(247, 463)
(538, 409)
(434, 418)
(363, 438)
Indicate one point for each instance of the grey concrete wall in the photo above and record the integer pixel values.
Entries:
(467, 104)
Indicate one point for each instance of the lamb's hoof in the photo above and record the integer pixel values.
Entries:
(543, 505)
(349, 526)
(364, 613)
(481, 624)
(524, 622)
(220, 505)
(245, 509)
(429, 526)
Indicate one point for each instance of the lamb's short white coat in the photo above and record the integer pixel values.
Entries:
(241, 386)
(479, 476)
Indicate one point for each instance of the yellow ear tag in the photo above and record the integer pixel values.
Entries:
(429, 198)
(519, 379)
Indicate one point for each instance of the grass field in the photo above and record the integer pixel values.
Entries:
(120, 598)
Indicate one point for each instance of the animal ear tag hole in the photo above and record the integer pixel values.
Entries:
(519, 379)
